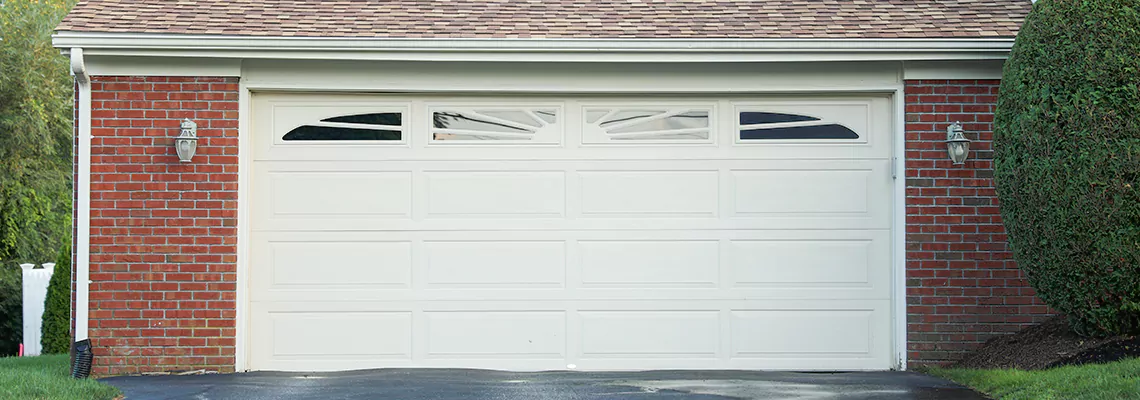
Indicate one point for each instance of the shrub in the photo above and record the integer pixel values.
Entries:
(56, 338)
(11, 309)
(1067, 159)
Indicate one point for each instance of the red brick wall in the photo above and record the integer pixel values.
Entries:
(163, 234)
(962, 285)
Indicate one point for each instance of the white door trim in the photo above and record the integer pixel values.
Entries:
(898, 230)
(241, 327)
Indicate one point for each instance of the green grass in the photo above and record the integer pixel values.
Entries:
(47, 378)
(1118, 380)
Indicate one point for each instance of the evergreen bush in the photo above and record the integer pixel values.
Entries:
(56, 337)
(1067, 159)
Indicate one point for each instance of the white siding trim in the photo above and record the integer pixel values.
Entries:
(582, 50)
(898, 229)
(988, 69)
(162, 66)
(241, 314)
(498, 77)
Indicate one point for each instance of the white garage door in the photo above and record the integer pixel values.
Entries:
(546, 233)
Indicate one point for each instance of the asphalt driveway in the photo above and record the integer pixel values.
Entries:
(441, 384)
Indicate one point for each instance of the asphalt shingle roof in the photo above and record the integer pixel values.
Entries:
(591, 19)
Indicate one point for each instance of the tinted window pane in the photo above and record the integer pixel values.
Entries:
(832, 131)
(754, 118)
(390, 119)
(312, 132)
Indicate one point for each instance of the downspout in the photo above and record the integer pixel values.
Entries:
(83, 197)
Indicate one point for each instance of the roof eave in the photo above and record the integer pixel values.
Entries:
(537, 49)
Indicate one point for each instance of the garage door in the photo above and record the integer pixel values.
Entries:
(547, 233)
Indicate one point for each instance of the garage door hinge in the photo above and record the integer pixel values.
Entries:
(894, 165)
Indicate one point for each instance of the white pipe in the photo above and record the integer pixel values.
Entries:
(83, 197)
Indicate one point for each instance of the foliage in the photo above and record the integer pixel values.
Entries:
(48, 378)
(56, 338)
(1118, 380)
(35, 148)
(1067, 159)
(35, 132)
(11, 309)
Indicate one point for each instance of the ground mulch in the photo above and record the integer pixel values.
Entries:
(1049, 344)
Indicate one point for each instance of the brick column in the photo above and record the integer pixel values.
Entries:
(963, 286)
(163, 233)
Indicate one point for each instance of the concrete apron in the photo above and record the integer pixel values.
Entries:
(449, 384)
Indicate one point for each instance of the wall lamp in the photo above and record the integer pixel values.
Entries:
(187, 141)
(957, 144)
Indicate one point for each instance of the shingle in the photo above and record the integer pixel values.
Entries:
(598, 19)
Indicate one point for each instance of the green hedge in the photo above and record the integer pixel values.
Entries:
(11, 309)
(1067, 159)
(56, 338)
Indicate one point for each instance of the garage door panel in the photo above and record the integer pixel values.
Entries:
(535, 223)
(759, 193)
(625, 333)
(808, 263)
(320, 267)
(320, 264)
(737, 195)
(495, 334)
(649, 263)
(494, 194)
(548, 265)
(745, 334)
(648, 193)
(341, 193)
(382, 334)
(494, 264)
(538, 233)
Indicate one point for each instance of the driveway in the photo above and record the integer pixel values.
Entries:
(442, 384)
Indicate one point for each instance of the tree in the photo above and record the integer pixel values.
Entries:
(35, 146)
(1067, 159)
(56, 337)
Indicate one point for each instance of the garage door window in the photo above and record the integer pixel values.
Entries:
(615, 125)
(755, 125)
(359, 127)
(474, 125)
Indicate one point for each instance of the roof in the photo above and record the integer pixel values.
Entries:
(557, 19)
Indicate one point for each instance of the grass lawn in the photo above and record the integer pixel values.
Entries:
(1118, 380)
(47, 378)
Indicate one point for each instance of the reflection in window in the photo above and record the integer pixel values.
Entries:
(751, 118)
(771, 126)
(829, 131)
(390, 119)
(493, 124)
(650, 123)
(362, 127)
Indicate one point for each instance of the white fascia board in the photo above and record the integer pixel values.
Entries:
(537, 50)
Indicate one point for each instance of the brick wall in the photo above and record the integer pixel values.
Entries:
(163, 234)
(962, 285)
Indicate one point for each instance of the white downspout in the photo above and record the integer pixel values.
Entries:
(83, 197)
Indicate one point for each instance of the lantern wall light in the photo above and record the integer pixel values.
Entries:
(187, 141)
(957, 144)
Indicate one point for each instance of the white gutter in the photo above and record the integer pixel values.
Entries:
(684, 50)
(83, 200)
